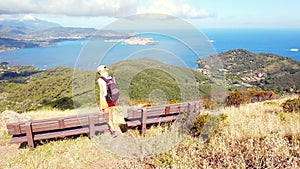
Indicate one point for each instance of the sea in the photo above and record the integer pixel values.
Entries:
(183, 50)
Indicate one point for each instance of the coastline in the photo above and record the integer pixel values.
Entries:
(66, 52)
(8, 49)
(40, 45)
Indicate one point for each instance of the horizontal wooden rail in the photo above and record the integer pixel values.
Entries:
(57, 127)
(157, 114)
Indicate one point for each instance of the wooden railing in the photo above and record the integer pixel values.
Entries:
(57, 128)
(157, 114)
(90, 124)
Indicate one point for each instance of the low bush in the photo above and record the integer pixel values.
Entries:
(209, 104)
(237, 98)
(207, 125)
(291, 105)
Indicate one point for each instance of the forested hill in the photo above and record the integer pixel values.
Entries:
(244, 69)
(24, 88)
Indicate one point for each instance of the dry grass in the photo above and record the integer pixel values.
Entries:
(257, 135)
(258, 120)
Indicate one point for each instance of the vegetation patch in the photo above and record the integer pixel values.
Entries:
(246, 137)
(24, 88)
(291, 105)
(207, 125)
(237, 98)
(269, 72)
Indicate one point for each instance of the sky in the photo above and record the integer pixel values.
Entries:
(200, 13)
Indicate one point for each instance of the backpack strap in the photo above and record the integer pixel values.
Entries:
(106, 80)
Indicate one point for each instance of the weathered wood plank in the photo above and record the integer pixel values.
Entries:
(158, 114)
(133, 123)
(56, 123)
(167, 109)
(61, 123)
(57, 128)
(18, 139)
(161, 119)
(144, 119)
(29, 135)
(61, 134)
(159, 110)
(92, 126)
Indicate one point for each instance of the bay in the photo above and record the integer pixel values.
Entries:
(277, 41)
(283, 42)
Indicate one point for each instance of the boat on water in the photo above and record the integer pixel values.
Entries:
(294, 49)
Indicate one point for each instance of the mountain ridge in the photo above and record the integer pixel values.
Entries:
(32, 24)
(265, 71)
(39, 33)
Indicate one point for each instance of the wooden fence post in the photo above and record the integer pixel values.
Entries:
(144, 120)
(29, 135)
(61, 123)
(91, 126)
(167, 110)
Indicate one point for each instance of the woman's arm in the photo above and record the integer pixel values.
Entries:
(100, 95)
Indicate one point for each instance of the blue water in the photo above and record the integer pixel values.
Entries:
(183, 52)
(274, 41)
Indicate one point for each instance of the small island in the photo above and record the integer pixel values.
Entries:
(134, 41)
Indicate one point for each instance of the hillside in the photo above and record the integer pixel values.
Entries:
(25, 88)
(244, 69)
(145, 75)
(24, 26)
(39, 33)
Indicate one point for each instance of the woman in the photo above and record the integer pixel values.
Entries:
(104, 105)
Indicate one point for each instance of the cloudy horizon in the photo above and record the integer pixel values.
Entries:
(98, 13)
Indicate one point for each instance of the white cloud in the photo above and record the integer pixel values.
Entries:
(176, 8)
(110, 8)
(19, 17)
(27, 17)
(113, 8)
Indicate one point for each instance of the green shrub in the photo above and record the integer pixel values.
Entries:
(207, 125)
(208, 104)
(291, 105)
(237, 98)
